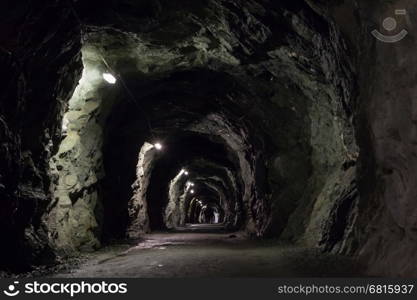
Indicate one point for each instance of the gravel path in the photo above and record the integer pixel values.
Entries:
(170, 255)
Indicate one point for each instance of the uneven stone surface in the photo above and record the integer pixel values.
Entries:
(38, 74)
(138, 207)
(204, 255)
(388, 220)
(77, 165)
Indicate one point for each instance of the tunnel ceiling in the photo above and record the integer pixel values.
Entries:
(258, 100)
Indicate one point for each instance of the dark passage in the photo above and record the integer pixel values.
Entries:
(214, 138)
(187, 153)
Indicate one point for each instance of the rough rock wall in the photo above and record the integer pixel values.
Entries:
(387, 229)
(174, 211)
(138, 212)
(314, 132)
(39, 66)
(76, 169)
(383, 231)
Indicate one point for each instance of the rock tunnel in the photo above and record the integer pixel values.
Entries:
(269, 120)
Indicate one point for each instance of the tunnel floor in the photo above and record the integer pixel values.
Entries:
(178, 255)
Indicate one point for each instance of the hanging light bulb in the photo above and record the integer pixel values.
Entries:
(158, 146)
(109, 78)
(189, 184)
(183, 171)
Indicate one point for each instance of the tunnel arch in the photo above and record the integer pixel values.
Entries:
(182, 152)
(198, 124)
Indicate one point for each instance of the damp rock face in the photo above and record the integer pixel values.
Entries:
(385, 235)
(138, 207)
(40, 65)
(283, 113)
